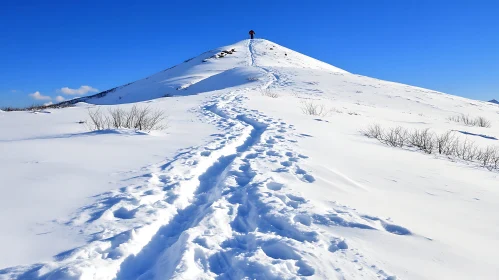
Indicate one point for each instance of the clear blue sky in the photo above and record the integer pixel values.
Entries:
(450, 46)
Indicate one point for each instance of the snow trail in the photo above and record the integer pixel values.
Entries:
(222, 211)
(207, 193)
(241, 216)
(251, 53)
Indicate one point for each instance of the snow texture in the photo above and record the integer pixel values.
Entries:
(244, 186)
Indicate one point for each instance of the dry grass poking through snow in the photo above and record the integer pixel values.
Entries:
(467, 120)
(313, 109)
(143, 119)
(267, 92)
(448, 144)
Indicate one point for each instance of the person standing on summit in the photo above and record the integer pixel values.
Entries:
(252, 33)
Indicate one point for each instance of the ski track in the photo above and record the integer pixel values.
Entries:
(218, 212)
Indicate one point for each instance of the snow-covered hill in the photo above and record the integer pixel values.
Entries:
(245, 186)
(217, 69)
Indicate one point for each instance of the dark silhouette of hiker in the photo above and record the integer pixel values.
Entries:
(252, 33)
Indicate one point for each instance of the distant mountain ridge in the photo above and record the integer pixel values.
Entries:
(494, 101)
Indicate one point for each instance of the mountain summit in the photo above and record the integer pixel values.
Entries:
(220, 68)
(228, 66)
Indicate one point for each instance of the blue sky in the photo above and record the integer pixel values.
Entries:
(46, 46)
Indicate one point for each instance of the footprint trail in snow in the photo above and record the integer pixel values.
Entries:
(221, 211)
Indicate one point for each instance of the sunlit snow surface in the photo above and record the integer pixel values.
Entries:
(244, 186)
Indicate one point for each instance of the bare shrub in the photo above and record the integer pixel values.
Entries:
(494, 161)
(148, 120)
(488, 157)
(467, 120)
(455, 118)
(453, 147)
(461, 148)
(422, 139)
(117, 117)
(482, 122)
(468, 150)
(457, 150)
(97, 120)
(313, 109)
(373, 131)
(444, 143)
(395, 137)
(143, 119)
(130, 118)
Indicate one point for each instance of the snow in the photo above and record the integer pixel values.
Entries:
(52, 165)
(242, 185)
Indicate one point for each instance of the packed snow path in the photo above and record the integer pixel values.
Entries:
(230, 209)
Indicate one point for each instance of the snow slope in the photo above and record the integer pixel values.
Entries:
(207, 72)
(246, 186)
